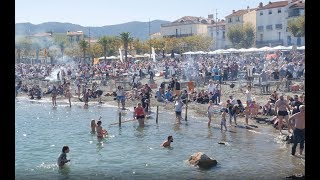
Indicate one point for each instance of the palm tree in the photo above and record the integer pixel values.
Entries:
(126, 40)
(83, 46)
(104, 42)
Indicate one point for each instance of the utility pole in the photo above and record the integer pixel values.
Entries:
(217, 29)
(150, 38)
(89, 46)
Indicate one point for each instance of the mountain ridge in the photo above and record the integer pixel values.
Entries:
(138, 29)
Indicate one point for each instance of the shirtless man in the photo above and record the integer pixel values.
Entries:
(167, 142)
(282, 107)
(298, 129)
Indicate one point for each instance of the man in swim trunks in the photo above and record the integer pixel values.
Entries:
(282, 107)
(298, 129)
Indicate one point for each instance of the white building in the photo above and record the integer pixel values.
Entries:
(295, 9)
(217, 32)
(186, 26)
(240, 17)
(272, 20)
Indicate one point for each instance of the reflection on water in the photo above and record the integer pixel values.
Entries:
(255, 154)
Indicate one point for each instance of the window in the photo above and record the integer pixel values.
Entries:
(269, 27)
(261, 13)
(229, 20)
(238, 19)
(212, 34)
(261, 37)
(223, 35)
(278, 26)
(279, 34)
(279, 10)
(260, 28)
(270, 11)
(217, 33)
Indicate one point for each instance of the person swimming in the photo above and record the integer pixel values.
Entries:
(167, 142)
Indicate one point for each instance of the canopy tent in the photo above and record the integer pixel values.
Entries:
(281, 48)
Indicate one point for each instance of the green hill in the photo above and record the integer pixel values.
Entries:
(137, 29)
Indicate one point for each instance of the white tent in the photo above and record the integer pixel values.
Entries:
(282, 48)
(189, 52)
(265, 48)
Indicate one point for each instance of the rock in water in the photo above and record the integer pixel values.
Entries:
(202, 160)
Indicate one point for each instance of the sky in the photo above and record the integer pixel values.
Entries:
(96, 13)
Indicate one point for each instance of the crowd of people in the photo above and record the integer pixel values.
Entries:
(203, 74)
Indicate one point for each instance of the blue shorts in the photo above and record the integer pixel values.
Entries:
(120, 98)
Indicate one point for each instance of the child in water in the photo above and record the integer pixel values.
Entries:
(247, 114)
(94, 125)
(223, 118)
(63, 157)
(101, 133)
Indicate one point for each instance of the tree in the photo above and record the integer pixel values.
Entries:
(126, 40)
(241, 36)
(83, 46)
(296, 26)
(97, 50)
(104, 42)
(249, 36)
(235, 35)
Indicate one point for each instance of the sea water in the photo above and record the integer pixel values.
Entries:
(133, 152)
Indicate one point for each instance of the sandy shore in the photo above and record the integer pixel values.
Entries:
(194, 108)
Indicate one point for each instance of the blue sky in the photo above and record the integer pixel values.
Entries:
(110, 12)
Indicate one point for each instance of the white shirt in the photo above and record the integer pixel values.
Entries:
(248, 95)
(211, 88)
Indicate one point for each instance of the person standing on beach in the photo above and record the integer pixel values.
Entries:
(282, 107)
(210, 111)
(54, 93)
(120, 96)
(246, 114)
(298, 129)
(68, 93)
(223, 122)
(62, 160)
(178, 109)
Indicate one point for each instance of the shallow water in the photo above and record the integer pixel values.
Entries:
(131, 152)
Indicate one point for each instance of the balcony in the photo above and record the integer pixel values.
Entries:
(178, 35)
